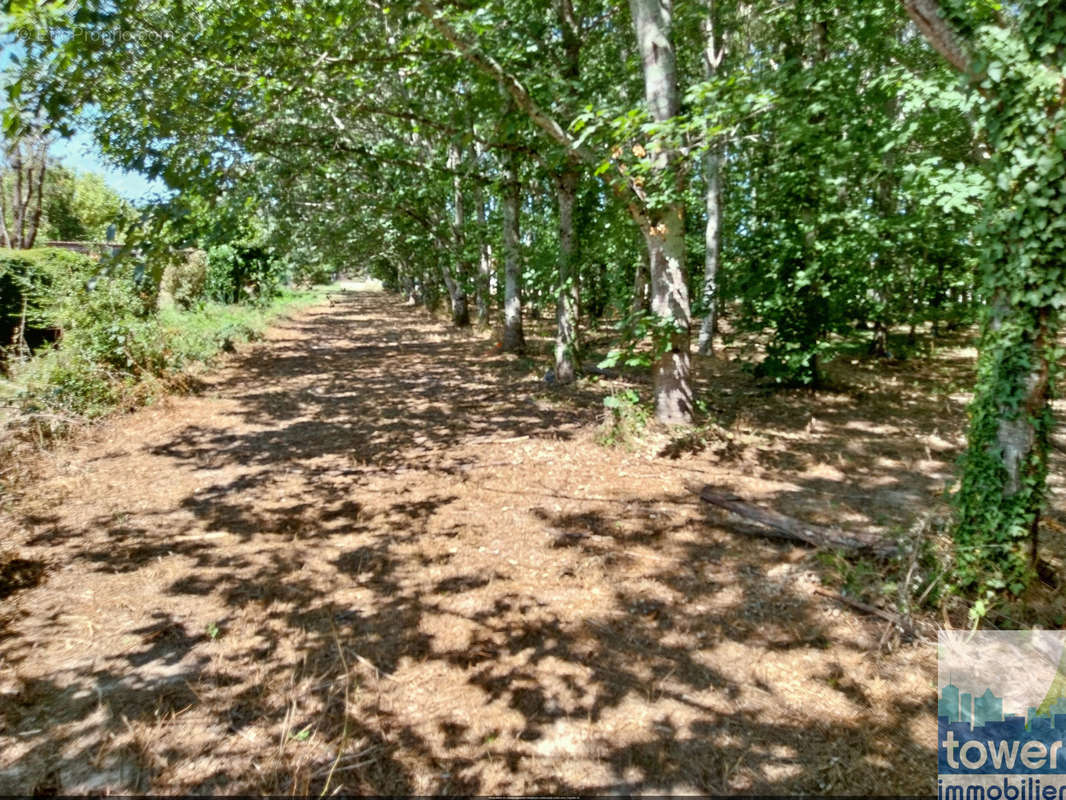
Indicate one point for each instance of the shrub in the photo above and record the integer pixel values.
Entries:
(625, 419)
(239, 273)
(30, 275)
(185, 278)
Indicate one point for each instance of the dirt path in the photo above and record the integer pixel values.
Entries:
(370, 547)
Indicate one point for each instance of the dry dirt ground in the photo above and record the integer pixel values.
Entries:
(373, 555)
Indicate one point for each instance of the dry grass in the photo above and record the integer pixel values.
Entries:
(372, 555)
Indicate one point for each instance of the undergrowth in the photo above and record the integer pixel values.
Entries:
(128, 360)
(625, 419)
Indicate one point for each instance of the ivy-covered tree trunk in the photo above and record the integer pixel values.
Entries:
(1004, 470)
(663, 226)
(514, 340)
(566, 309)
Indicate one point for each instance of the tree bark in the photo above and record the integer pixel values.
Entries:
(664, 231)
(27, 159)
(713, 245)
(791, 528)
(36, 200)
(929, 18)
(484, 267)
(5, 237)
(514, 340)
(566, 343)
(712, 165)
(455, 282)
(457, 296)
(640, 284)
(18, 223)
(669, 301)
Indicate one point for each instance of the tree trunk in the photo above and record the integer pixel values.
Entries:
(713, 243)
(640, 285)
(457, 295)
(1004, 480)
(514, 340)
(664, 230)
(712, 166)
(27, 160)
(484, 271)
(18, 222)
(669, 301)
(36, 199)
(566, 343)
(5, 237)
(455, 282)
(879, 344)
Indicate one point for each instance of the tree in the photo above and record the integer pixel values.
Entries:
(23, 167)
(659, 214)
(1014, 56)
(80, 206)
(713, 55)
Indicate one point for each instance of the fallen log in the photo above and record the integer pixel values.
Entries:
(789, 528)
(900, 622)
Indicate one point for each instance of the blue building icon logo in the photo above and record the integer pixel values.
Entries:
(1001, 714)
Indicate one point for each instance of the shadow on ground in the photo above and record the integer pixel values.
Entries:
(373, 557)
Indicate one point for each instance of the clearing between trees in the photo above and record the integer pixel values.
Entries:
(372, 554)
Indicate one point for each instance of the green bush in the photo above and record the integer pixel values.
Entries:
(625, 419)
(31, 277)
(111, 355)
(241, 273)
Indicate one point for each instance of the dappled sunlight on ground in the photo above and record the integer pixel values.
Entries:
(374, 552)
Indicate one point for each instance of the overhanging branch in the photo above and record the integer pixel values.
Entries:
(929, 18)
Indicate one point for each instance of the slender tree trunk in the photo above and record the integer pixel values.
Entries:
(484, 271)
(712, 166)
(431, 288)
(640, 284)
(887, 260)
(713, 244)
(19, 211)
(514, 340)
(664, 229)
(5, 237)
(408, 283)
(455, 282)
(36, 200)
(568, 300)
(566, 343)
